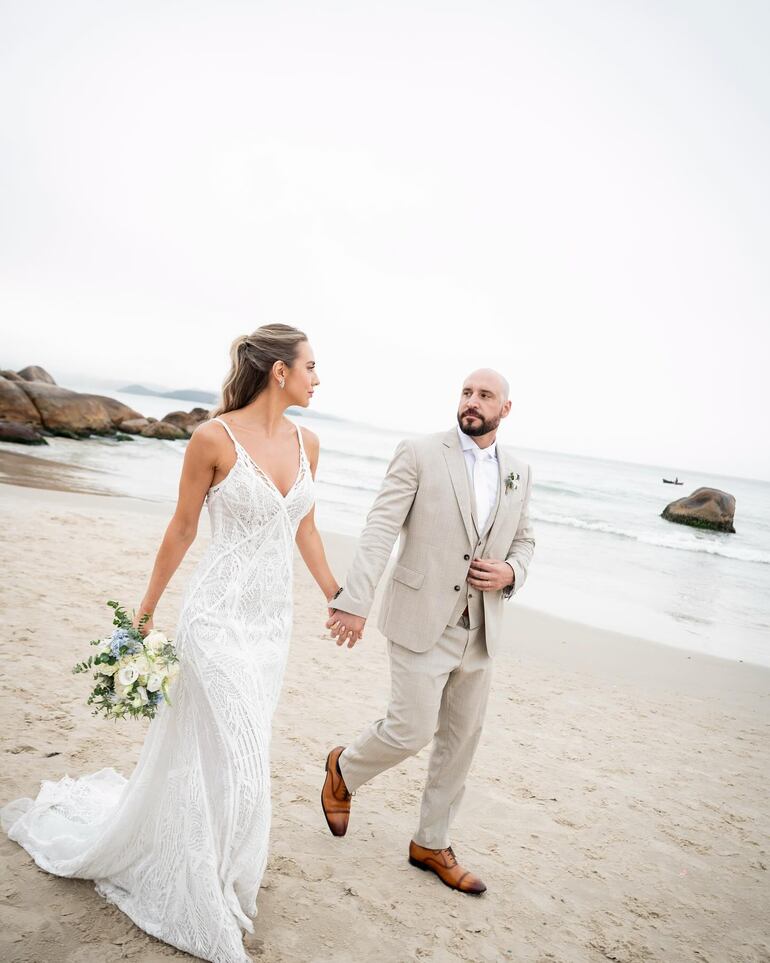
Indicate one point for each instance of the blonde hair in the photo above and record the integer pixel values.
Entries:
(252, 357)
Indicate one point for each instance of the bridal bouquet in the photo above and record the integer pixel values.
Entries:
(132, 673)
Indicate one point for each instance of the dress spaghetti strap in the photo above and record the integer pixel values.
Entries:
(301, 442)
(224, 424)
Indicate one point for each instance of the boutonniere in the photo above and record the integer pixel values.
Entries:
(512, 482)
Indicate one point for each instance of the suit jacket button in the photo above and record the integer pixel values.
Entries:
(457, 588)
(466, 557)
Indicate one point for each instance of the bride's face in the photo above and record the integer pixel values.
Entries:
(301, 378)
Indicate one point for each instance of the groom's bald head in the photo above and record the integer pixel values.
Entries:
(483, 402)
(492, 379)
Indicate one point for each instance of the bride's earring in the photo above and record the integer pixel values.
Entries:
(282, 382)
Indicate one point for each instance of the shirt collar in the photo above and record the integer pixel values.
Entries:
(468, 444)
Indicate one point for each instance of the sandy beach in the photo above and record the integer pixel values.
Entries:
(617, 808)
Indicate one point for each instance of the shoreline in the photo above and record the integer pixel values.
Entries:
(40, 479)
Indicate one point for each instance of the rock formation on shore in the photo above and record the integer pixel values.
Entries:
(704, 508)
(164, 429)
(188, 421)
(20, 434)
(76, 415)
(15, 404)
(32, 406)
(33, 372)
(34, 400)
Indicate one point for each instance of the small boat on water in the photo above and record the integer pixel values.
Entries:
(673, 481)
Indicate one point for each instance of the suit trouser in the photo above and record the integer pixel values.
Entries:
(440, 694)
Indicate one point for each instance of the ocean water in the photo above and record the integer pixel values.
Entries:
(604, 556)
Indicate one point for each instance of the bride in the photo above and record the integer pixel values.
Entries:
(181, 845)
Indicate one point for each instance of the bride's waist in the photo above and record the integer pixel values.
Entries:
(223, 574)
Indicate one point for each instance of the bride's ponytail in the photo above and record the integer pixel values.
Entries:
(252, 357)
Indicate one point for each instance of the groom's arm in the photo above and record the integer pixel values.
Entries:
(383, 524)
(522, 547)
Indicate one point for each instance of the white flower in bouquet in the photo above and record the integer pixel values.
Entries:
(128, 675)
(154, 641)
(142, 664)
(121, 691)
(154, 681)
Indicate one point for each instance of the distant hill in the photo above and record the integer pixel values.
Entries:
(138, 390)
(310, 413)
(192, 394)
(209, 398)
(184, 394)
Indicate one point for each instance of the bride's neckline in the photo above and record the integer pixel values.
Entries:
(259, 469)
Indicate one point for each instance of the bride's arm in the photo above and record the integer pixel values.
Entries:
(200, 461)
(309, 543)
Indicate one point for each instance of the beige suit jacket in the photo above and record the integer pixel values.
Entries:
(426, 499)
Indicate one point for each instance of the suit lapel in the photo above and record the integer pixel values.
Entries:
(458, 475)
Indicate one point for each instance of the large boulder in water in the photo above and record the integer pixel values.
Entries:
(33, 372)
(15, 406)
(117, 411)
(163, 429)
(188, 421)
(20, 434)
(75, 415)
(705, 508)
(134, 426)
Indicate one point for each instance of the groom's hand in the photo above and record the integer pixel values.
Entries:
(488, 575)
(345, 627)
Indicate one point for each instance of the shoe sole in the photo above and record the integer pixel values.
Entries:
(427, 869)
(323, 808)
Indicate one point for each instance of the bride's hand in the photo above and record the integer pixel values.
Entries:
(346, 627)
(147, 625)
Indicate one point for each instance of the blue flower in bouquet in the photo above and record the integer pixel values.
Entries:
(122, 637)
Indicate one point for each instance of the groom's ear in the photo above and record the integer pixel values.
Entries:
(506, 409)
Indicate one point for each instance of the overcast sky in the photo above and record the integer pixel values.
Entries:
(575, 193)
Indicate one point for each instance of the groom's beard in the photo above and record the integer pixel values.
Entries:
(473, 427)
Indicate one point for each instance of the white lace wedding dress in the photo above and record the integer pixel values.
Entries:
(181, 845)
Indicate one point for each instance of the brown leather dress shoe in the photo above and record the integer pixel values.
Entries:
(444, 864)
(335, 798)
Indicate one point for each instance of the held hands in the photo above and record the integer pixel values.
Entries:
(345, 627)
(487, 575)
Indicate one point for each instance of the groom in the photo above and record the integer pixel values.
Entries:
(461, 506)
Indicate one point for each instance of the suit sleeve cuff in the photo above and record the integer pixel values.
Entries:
(346, 603)
(510, 589)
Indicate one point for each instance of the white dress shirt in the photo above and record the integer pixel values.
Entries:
(483, 474)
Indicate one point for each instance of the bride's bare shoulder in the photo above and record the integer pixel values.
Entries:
(210, 437)
(310, 440)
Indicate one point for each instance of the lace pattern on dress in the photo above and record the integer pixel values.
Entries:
(181, 845)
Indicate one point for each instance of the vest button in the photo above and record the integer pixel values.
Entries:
(457, 588)
(466, 557)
